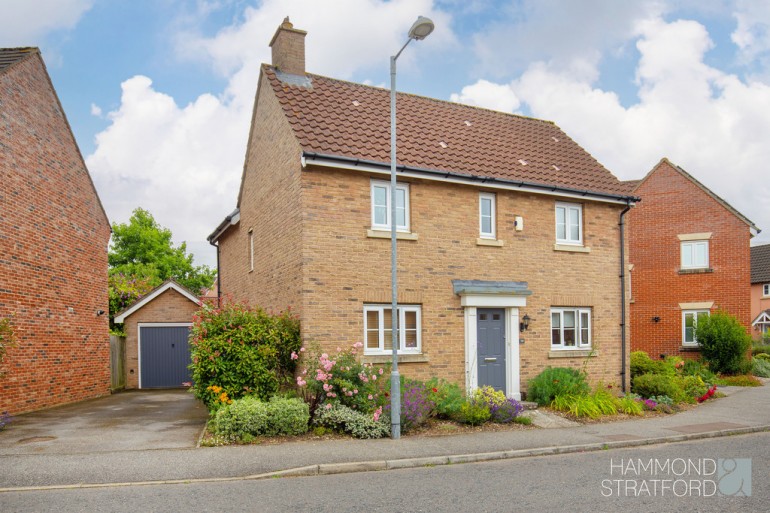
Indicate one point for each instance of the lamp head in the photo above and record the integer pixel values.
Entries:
(421, 28)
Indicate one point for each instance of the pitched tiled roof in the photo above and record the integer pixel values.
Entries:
(334, 117)
(760, 264)
(10, 56)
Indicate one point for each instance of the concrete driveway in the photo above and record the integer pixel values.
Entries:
(127, 421)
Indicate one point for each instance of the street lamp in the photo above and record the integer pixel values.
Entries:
(420, 30)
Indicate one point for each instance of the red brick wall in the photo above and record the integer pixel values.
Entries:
(672, 205)
(53, 251)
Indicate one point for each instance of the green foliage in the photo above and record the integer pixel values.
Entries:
(648, 385)
(347, 420)
(738, 381)
(7, 340)
(249, 417)
(762, 356)
(630, 405)
(597, 404)
(641, 363)
(693, 387)
(696, 368)
(502, 409)
(663, 399)
(760, 349)
(554, 381)
(526, 421)
(760, 367)
(242, 350)
(447, 396)
(723, 342)
(123, 292)
(473, 412)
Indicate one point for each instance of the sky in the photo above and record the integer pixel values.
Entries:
(159, 93)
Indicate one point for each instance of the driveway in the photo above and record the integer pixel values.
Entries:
(127, 421)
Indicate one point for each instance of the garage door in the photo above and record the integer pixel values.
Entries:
(164, 354)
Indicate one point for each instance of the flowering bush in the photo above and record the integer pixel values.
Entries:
(248, 417)
(347, 420)
(340, 379)
(241, 350)
(416, 404)
(502, 409)
(448, 397)
(474, 412)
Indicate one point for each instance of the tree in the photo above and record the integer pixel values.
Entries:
(724, 343)
(142, 256)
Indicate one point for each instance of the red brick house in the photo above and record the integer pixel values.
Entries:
(760, 291)
(53, 247)
(688, 255)
(500, 218)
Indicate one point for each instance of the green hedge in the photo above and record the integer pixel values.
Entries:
(724, 343)
(249, 417)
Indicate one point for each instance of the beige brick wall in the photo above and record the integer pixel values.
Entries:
(344, 269)
(169, 307)
(270, 208)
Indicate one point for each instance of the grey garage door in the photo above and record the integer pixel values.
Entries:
(164, 355)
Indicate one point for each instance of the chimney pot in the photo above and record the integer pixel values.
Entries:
(288, 47)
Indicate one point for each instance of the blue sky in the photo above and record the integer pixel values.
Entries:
(159, 93)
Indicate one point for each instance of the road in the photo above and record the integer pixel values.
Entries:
(625, 480)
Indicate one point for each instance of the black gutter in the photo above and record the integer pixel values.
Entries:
(622, 225)
(469, 177)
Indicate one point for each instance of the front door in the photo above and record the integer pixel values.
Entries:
(491, 350)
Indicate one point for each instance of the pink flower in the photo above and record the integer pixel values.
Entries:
(328, 406)
(302, 349)
(377, 414)
(380, 371)
(370, 397)
(294, 355)
(355, 390)
(358, 345)
(374, 378)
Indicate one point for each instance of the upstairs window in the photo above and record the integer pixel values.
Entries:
(569, 224)
(381, 206)
(487, 215)
(766, 289)
(695, 254)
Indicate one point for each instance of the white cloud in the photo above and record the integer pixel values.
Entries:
(26, 23)
(96, 110)
(712, 123)
(488, 95)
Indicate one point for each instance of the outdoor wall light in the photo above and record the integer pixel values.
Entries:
(99, 312)
(656, 319)
(524, 324)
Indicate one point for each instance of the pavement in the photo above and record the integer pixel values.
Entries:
(743, 411)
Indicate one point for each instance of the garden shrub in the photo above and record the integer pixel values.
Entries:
(243, 351)
(342, 379)
(693, 387)
(696, 368)
(760, 349)
(447, 397)
(502, 409)
(473, 412)
(416, 404)
(762, 356)
(760, 367)
(641, 363)
(554, 381)
(582, 405)
(648, 385)
(347, 420)
(738, 381)
(248, 417)
(723, 342)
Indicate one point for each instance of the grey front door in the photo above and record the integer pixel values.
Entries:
(164, 356)
(491, 351)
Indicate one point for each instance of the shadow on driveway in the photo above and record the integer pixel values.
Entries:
(127, 421)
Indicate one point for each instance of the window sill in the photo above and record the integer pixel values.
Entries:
(571, 249)
(696, 271)
(402, 358)
(693, 349)
(385, 234)
(490, 242)
(572, 353)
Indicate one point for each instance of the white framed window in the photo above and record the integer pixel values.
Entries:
(689, 323)
(766, 289)
(487, 229)
(251, 250)
(378, 329)
(570, 328)
(381, 206)
(569, 223)
(695, 254)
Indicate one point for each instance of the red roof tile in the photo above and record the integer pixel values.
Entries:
(334, 117)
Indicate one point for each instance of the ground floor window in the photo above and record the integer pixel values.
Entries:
(689, 323)
(378, 329)
(570, 328)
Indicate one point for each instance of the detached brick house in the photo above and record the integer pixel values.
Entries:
(689, 256)
(500, 218)
(53, 247)
(760, 291)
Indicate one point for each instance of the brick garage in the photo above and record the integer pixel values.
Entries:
(156, 329)
(53, 247)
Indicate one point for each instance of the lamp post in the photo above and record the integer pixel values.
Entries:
(420, 30)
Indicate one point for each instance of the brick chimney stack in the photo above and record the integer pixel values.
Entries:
(288, 45)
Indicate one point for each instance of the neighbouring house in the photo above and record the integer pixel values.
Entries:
(509, 244)
(760, 291)
(53, 247)
(688, 255)
(157, 328)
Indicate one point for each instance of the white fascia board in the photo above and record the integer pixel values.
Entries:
(120, 319)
